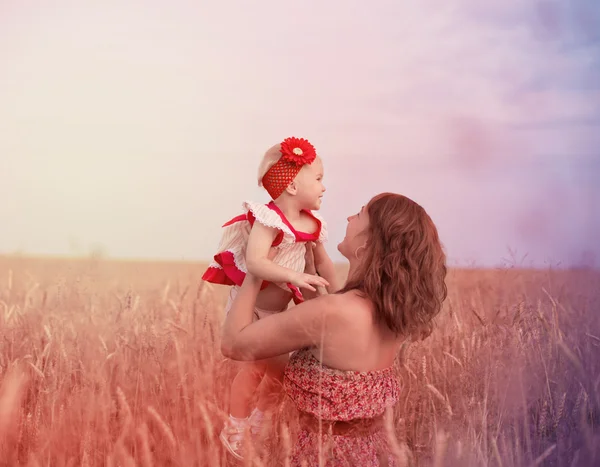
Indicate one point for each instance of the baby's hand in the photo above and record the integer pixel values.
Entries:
(307, 281)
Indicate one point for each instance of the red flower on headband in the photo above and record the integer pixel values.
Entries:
(298, 151)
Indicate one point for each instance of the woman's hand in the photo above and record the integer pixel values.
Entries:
(309, 259)
(310, 268)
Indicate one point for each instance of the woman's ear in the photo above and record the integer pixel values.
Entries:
(360, 251)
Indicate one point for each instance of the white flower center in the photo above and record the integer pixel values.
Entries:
(297, 151)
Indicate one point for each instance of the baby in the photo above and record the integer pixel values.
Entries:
(292, 174)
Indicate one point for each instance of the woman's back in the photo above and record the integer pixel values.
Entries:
(357, 341)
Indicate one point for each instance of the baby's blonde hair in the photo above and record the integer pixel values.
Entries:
(270, 158)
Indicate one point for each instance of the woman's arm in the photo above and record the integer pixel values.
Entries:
(304, 325)
(259, 243)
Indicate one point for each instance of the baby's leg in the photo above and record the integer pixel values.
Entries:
(247, 380)
(243, 388)
(271, 386)
(272, 382)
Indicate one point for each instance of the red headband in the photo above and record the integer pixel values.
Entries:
(295, 153)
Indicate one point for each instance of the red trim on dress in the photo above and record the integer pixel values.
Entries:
(230, 274)
(278, 238)
(300, 236)
(241, 217)
(216, 276)
(297, 295)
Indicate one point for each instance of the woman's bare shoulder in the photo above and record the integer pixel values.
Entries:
(353, 297)
(352, 305)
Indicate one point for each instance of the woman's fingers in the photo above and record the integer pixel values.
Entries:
(309, 252)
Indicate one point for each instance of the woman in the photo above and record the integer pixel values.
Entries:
(342, 378)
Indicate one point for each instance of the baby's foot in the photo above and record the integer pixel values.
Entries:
(256, 421)
(232, 435)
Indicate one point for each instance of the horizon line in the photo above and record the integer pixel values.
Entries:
(133, 259)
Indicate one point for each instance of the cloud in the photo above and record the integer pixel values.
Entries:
(147, 117)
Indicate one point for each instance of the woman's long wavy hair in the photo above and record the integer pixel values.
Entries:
(404, 268)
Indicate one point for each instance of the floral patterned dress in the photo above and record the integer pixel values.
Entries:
(335, 395)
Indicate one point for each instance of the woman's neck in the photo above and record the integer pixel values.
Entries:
(352, 270)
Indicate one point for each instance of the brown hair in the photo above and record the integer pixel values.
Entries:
(404, 269)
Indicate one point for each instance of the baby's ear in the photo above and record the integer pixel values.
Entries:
(292, 188)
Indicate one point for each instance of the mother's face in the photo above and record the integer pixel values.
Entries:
(356, 234)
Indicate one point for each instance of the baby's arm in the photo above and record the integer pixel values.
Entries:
(259, 243)
(325, 268)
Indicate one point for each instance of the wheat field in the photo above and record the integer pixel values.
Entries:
(108, 363)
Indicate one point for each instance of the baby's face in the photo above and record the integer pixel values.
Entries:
(310, 185)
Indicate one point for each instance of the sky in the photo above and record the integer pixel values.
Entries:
(135, 128)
